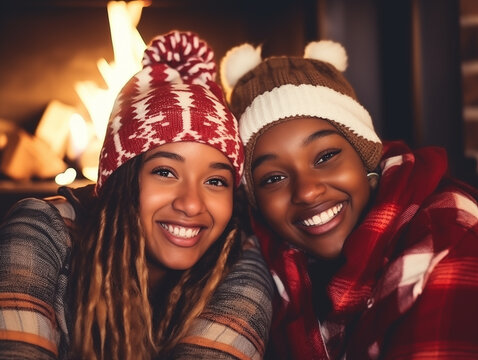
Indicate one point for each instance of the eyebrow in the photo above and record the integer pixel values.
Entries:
(307, 141)
(261, 159)
(165, 154)
(177, 157)
(319, 134)
(222, 166)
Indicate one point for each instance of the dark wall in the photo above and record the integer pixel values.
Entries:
(405, 65)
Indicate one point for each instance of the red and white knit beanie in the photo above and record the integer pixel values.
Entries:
(262, 93)
(172, 99)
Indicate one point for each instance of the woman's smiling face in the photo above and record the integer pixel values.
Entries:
(310, 184)
(186, 198)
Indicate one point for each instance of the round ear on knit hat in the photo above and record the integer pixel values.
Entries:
(327, 51)
(184, 56)
(237, 62)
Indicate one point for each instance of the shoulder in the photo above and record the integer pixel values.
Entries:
(32, 209)
(236, 321)
(249, 276)
(38, 225)
(34, 254)
(452, 206)
(439, 248)
(252, 267)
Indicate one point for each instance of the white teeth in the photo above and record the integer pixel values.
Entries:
(324, 217)
(181, 231)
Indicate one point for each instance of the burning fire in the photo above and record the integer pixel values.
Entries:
(86, 138)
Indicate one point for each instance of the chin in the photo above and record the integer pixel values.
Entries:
(326, 253)
(179, 266)
(331, 255)
(172, 262)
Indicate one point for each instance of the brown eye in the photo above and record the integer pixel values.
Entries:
(272, 179)
(217, 182)
(163, 172)
(326, 156)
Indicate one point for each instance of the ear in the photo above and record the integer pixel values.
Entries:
(327, 51)
(373, 179)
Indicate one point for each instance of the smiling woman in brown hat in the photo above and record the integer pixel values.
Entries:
(373, 248)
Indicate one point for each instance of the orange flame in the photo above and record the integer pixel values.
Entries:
(128, 48)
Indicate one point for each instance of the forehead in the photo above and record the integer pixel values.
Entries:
(190, 151)
(296, 130)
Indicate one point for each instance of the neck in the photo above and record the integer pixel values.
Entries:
(156, 275)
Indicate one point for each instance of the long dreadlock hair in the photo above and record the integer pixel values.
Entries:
(110, 299)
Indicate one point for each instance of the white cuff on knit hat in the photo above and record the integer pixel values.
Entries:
(305, 100)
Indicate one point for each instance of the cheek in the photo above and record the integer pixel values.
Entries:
(146, 213)
(221, 209)
(358, 179)
(273, 206)
(151, 199)
(148, 199)
(356, 184)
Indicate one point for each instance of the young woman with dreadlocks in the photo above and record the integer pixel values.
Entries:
(133, 272)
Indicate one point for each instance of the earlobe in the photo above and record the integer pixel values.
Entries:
(373, 178)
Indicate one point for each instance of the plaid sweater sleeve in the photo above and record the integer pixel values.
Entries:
(443, 321)
(34, 246)
(236, 322)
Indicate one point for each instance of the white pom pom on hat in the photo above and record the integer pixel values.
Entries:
(241, 59)
(237, 62)
(327, 51)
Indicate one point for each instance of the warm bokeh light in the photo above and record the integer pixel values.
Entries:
(91, 173)
(3, 140)
(79, 136)
(66, 177)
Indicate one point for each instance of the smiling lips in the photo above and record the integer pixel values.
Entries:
(181, 231)
(324, 217)
(181, 236)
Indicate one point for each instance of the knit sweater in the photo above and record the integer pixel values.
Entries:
(406, 285)
(35, 320)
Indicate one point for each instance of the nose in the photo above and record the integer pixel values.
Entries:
(189, 200)
(307, 188)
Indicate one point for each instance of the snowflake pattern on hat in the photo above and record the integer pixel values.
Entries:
(172, 99)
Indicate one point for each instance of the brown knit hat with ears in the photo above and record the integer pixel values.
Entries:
(263, 93)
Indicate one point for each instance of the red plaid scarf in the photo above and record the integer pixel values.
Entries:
(388, 259)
